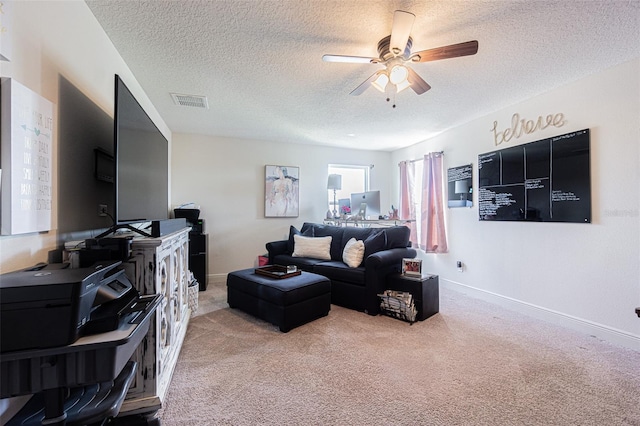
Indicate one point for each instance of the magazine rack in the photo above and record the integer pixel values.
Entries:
(398, 304)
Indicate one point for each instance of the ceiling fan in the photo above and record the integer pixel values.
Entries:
(395, 54)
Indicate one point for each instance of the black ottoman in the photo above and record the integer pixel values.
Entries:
(287, 303)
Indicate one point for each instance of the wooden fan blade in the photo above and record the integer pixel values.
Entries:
(366, 84)
(417, 83)
(349, 59)
(400, 31)
(446, 52)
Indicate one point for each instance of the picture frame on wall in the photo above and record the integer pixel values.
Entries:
(281, 191)
(26, 144)
(460, 186)
(412, 267)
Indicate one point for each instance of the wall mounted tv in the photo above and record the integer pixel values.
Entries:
(544, 181)
(142, 162)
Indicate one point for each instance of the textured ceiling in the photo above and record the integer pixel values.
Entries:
(259, 62)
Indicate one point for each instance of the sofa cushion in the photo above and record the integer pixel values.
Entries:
(357, 233)
(353, 253)
(313, 247)
(335, 233)
(303, 263)
(374, 243)
(397, 236)
(307, 231)
(339, 271)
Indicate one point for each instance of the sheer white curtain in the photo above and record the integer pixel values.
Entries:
(433, 238)
(407, 209)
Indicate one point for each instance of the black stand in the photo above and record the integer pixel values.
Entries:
(425, 291)
(57, 374)
(114, 228)
(91, 404)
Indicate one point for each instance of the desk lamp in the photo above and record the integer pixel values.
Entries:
(335, 183)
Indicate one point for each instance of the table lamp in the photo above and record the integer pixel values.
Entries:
(335, 183)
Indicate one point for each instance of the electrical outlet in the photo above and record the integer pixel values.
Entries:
(102, 209)
(459, 265)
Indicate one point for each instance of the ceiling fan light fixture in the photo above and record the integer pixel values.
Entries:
(380, 82)
(402, 85)
(398, 74)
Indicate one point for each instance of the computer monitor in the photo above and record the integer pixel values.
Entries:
(371, 199)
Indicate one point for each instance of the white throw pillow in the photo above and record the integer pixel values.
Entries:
(353, 253)
(313, 247)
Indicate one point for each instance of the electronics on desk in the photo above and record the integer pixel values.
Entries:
(191, 215)
(198, 242)
(362, 212)
(66, 300)
(344, 206)
(104, 249)
(371, 199)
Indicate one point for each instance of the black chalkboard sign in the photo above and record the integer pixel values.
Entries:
(543, 181)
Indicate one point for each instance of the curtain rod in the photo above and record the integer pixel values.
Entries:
(421, 159)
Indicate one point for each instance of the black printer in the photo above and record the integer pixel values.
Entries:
(46, 306)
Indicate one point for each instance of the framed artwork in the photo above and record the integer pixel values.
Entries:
(6, 30)
(460, 186)
(281, 191)
(26, 144)
(412, 267)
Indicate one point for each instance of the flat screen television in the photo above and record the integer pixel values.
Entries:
(372, 201)
(142, 162)
(86, 166)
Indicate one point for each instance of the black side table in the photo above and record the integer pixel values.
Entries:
(425, 291)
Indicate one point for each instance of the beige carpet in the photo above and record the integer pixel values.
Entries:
(472, 364)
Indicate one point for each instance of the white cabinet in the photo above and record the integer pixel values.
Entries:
(159, 266)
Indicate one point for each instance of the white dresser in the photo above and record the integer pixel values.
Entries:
(159, 266)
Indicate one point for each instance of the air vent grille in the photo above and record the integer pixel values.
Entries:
(193, 101)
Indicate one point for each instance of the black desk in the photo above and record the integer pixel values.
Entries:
(91, 359)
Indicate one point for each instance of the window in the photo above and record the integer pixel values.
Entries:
(422, 199)
(354, 179)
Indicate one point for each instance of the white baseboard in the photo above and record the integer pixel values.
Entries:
(217, 278)
(600, 331)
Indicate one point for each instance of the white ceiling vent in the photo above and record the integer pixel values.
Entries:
(190, 100)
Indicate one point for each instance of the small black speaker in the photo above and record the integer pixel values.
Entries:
(197, 226)
(197, 243)
(198, 265)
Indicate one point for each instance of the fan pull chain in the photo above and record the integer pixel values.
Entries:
(393, 91)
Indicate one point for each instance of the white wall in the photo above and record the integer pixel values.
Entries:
(583, 275)
(226, 178)
(49, 40)
(52, 40)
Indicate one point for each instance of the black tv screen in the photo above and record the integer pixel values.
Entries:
(543, 181)
(142, 162)
(86, 166)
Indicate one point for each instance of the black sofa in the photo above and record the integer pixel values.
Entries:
(351, 287)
